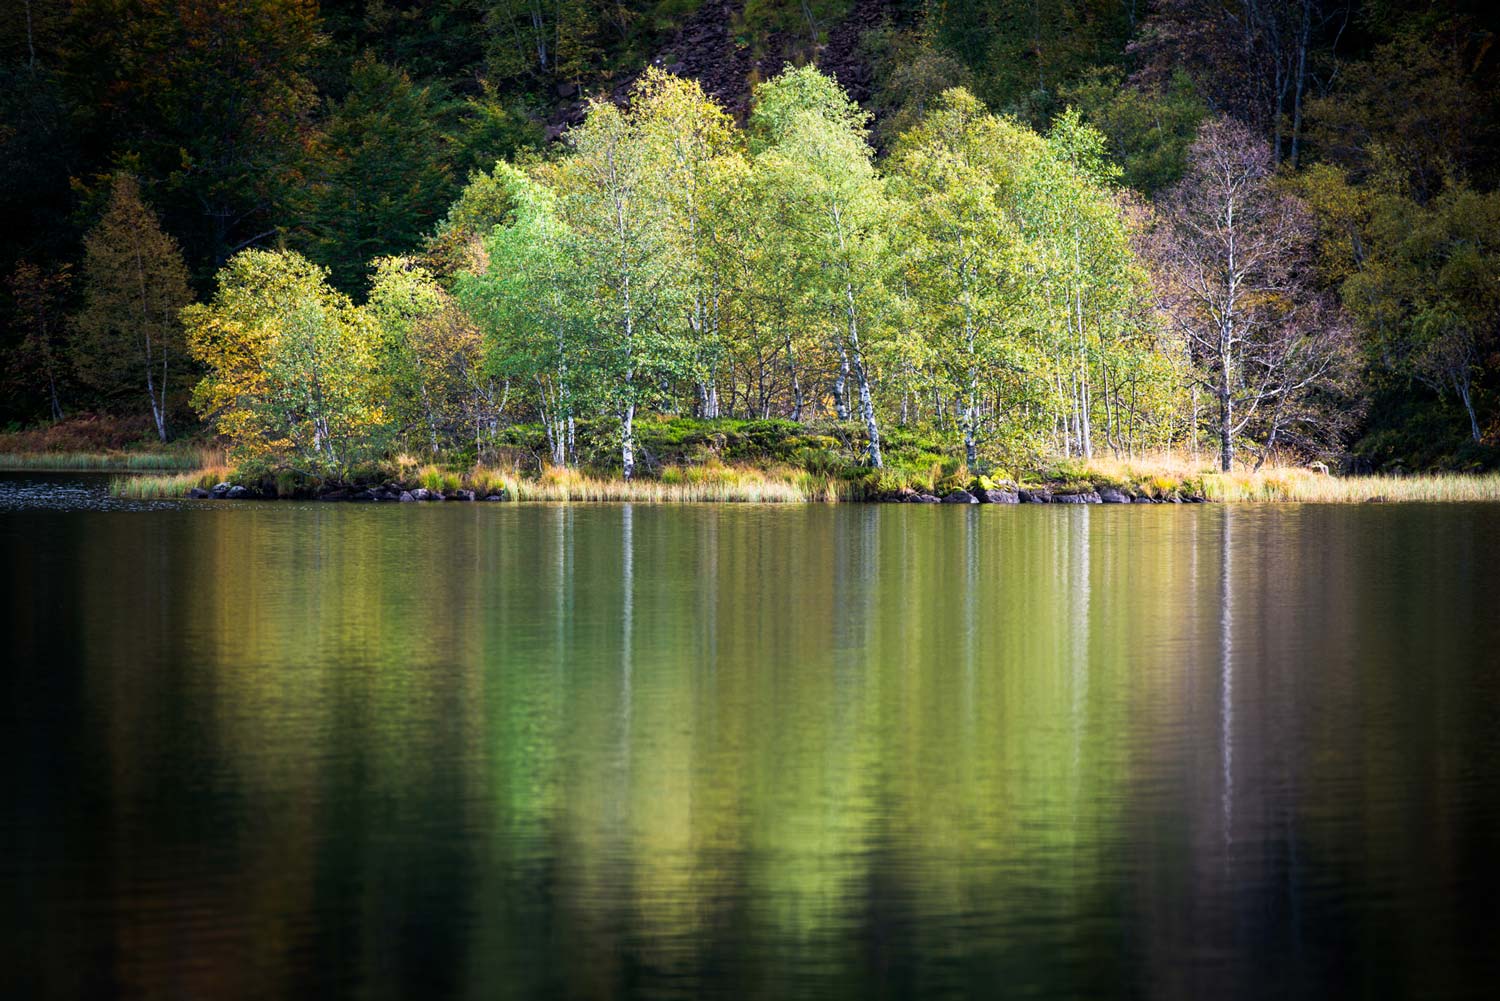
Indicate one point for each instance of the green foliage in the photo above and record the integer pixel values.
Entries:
(292, 366)
(912, 72)
(379, 173)
(1022, 52)
(806, 21)
(1428, 291)
(1148, 132)
(430, 359)
(38, 366)
(969, 266)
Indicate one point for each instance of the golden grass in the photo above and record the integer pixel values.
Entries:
(711, 483)
(167, 485)
(1161, 474)
(1307, 487)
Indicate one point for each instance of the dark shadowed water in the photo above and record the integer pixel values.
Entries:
(490, 751)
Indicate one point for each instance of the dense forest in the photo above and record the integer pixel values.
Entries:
(332, 232)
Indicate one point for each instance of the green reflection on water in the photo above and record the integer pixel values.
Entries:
(595, 751)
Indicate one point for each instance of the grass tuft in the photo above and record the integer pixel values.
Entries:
(167, 486)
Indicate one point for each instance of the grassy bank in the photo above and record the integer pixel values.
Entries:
(61, 462)
(1307, 487)
(674, 485)
(788, 484)
(1286, 484)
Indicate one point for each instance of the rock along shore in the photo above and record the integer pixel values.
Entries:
(1011, 494)
(387, 492)
(1007, 493)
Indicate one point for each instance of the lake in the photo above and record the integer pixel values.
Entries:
(282, 750)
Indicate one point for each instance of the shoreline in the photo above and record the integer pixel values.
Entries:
(202, 475)
(485, 486)
(648, 493)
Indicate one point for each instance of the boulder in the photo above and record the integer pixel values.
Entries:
(924, 499)
(1034, 497)
(407, 498)
(1000, 497)
(236, 493)
(959, 497)
(198, 493)
(219, 491)
(1087, 497)
(502, 495)
(1143, 499)
(421, 494)
(462, 495)
(1109, 495)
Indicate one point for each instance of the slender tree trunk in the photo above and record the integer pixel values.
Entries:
(1226, 421)
(866, 400)
(1301, 80)
(867, 408)
(627, 439)
(841, 385)
(791, 364)
(1465, 393)
(971, 418)
(156, 411)
(52, 394)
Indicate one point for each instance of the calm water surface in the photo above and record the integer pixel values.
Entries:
(488, 751)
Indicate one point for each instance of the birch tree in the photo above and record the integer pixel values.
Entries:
(1234, 258)
(814, 147)
(964, 249)
(627, 263)
(696, 168)
(292, 379)
(430, 360)
(527, 301)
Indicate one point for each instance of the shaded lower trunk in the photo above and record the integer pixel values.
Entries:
(627, 440)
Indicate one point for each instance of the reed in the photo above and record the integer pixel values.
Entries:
(185, 459)
(439, 479)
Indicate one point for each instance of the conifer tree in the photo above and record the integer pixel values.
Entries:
(129, 336)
